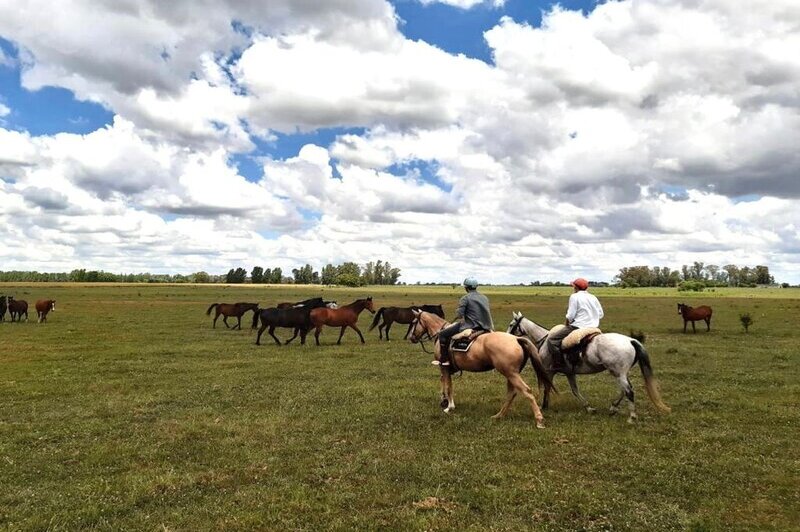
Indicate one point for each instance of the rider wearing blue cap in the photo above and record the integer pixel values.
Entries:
(472, 313)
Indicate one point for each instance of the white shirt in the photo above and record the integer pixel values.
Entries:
(584, 310)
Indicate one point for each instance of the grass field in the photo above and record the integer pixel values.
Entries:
(128, 411)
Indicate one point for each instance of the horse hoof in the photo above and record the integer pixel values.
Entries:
(631, 420)
(443, 403)
(590, 410)
(613, 411)
(498, 416)
(540, 424)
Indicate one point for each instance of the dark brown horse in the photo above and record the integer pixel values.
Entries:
(43, 306)
(314, 302)
(404, 315)
(344, 317)
(695, 314)
(227, 310)
(17, 308)
(297, 317)
(3, 307)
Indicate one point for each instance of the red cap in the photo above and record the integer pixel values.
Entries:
(580, 283)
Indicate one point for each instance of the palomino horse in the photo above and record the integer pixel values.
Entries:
(493, 350)
(227, 310)
(344, 317)
(43, 306)
(695, 314)
(17, 308)
(614, 352)
(402, 315)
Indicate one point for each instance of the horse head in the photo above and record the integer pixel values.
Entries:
(368, 305)
(515, 327)
(681, 306)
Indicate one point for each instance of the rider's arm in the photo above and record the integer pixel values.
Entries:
(572, 310)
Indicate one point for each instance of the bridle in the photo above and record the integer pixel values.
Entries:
(425, 335)
(517, 325)
(518, 328)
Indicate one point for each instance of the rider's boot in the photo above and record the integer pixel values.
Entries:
(444, 352)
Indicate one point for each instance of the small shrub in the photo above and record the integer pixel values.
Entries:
(638, 335)
(746, 320)
(691, 286)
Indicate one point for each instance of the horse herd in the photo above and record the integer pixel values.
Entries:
(19, 307)
(315, 313)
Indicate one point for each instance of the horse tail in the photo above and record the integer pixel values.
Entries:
(377, 318)
(530, 352)
(256, 315)
(650, 383)
(208, 312)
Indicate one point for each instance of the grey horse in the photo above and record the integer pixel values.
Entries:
(613, 352)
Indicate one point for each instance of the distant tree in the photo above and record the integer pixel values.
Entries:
(257, 275)
(305, 275)
(328, 275)
(277, 276)
(236, 276)
(201, 277)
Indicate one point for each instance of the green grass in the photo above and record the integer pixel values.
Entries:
(127, 411)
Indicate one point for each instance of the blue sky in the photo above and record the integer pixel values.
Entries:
(336, 133)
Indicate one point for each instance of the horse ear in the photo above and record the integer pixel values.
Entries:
(416, 312)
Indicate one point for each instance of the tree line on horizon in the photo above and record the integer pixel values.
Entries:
(698, 274)
(346, 274)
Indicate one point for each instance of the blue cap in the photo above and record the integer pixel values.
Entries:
(470, 282)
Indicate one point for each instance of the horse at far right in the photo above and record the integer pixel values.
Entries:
(695, 314)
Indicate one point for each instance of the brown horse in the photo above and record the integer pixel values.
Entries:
(344, 317)
(314, 302)
(3, 307)
(494, 350)
(43, 306)
(227, 310)
(695, 314)
(403, 315)
(17, 308)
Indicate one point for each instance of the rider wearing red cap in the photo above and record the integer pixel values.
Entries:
(584, 310)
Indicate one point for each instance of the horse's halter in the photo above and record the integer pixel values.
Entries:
(517, 326)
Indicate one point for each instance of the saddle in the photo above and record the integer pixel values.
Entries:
(462, 341)
(575, 344)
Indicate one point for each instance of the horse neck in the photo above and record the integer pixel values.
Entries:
(533, 329)
(357, 306)
(434, 323)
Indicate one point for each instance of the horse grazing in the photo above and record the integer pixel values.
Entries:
(17, 308)
(404, 315)
(43, 306)
(3, 307)
(344, 317)
(493, 350)
(695, 314)
(227, 310)
(292, 317)
(613, 352)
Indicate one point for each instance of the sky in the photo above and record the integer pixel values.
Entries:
(512, 141)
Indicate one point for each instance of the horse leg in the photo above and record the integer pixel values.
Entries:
(238, 322)
(296, 332)
(225, 321)
(260, 332)
(448, 390)
(626, 391)
(573, 384)
(316, 333)
(214, 326)
(361, 335)
(708, 324)
(522, 387)
(388, 326)
(272, 333)
(341, 333)
(410, 326)
(511, 393)
(684, 326)
(693, 328)
(303, 334)
(380, 331)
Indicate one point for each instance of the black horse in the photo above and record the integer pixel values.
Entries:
(314, 302)
(291, 316)
(404, 315)
(3, 307)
